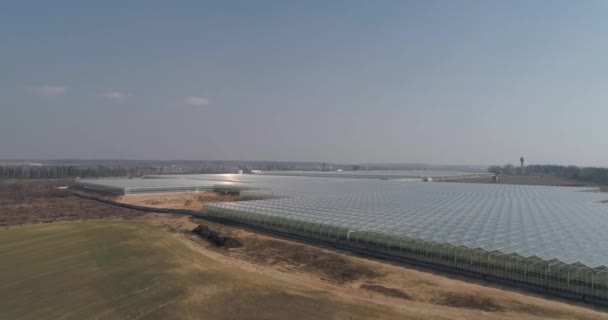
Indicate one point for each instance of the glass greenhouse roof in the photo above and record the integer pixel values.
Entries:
(564, 223)
(561, 223)
(126, 186)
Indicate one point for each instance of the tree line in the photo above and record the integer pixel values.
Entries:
(72, 171)
(60, 172)
(586, 174)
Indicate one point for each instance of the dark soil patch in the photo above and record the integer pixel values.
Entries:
(391, 292)
(24, 190)
(335, 267)
(536, 310)
(469, 302)
(152, 202)
(215, 238)
(293, 256)
(40, 201)
(330, 266)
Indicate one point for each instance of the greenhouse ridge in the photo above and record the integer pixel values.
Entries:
(564, 223)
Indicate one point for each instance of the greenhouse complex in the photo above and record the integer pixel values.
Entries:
(547, 238)
(139, 186)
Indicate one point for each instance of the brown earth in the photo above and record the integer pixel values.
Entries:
(188, 201)
(391, 292)
(463, 300)
(292, 256)
(215, 238)
(42, 202)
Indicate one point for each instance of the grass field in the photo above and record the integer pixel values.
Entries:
(133, 270)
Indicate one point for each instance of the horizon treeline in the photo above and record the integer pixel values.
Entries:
(586, 174)
(62, 172)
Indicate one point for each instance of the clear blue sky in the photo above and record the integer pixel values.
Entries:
(444, 82)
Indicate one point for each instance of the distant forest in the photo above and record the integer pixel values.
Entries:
(62, 172)
(92, 168)
(73, 168)
(586, 174)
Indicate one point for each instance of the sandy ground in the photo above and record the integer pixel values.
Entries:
(189, 201)
(414, 293)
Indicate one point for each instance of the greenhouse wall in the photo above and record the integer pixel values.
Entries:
(145, 186)
(568, 280)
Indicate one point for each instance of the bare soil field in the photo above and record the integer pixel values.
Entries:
(42, 202)
(188, 201)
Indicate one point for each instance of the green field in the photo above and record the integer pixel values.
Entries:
(84, 270)
(133, 270)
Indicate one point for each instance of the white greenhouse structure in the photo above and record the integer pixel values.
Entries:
(545, 238)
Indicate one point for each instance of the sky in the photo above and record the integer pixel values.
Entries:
(439, 82)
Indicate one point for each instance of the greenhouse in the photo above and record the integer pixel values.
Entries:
(186, 183)
(139, 186)
(182, 183)
(549, 238)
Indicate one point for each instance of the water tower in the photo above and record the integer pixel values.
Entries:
(522, 164)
